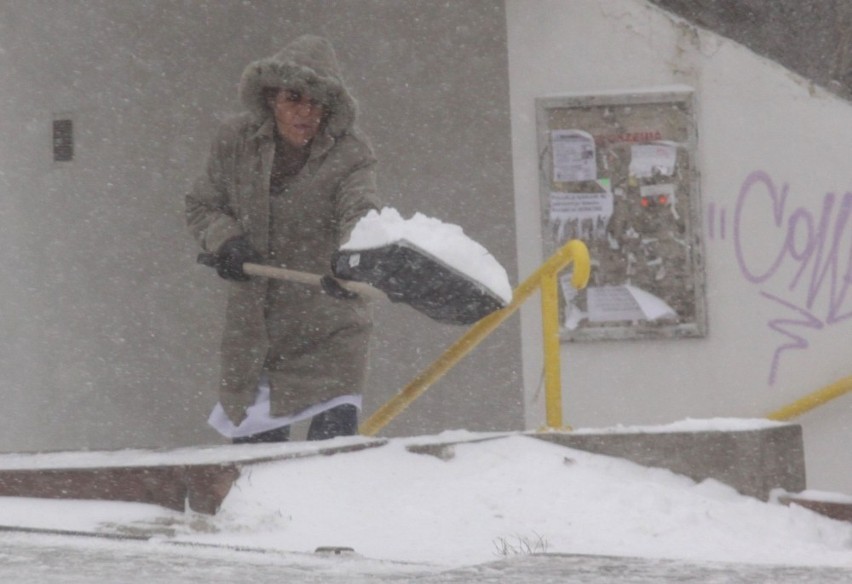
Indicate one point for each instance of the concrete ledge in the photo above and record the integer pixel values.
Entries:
(754, 461)
(194, 478)
(835, 509)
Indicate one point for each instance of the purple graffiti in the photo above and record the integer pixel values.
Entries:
(780, 325)
(818, 249)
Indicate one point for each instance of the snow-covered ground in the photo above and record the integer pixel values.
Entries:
(506, 496)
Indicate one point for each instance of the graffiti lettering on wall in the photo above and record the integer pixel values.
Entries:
(806, 261)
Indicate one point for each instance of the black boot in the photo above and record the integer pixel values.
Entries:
(338, 421)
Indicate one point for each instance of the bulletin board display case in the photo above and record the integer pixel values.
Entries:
(618, 171)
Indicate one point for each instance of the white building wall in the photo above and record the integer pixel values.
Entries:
(755, 119)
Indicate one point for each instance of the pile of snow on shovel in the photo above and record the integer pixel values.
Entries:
(445, 241)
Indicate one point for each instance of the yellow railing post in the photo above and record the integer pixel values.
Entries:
(550, 333)
(577, 252)
(574, 251)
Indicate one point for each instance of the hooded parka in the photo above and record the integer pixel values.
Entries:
(313, 346)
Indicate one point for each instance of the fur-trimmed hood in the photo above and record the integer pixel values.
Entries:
(308, 64)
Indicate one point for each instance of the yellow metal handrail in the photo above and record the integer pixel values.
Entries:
(546, 277)
(812, 400)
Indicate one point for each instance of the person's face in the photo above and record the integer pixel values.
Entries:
(297, 116)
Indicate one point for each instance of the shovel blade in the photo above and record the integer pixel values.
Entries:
(406, 273)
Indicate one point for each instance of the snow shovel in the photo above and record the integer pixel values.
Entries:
(403, 273)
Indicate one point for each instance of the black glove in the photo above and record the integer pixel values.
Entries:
(232, 255)
(334, 289)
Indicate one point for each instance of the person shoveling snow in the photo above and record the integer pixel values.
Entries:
(426, 263)
(285, 184)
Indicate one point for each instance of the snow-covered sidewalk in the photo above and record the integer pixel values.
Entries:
(493, 499)
(69, 560)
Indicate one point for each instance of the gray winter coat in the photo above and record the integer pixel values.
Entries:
(313, 346)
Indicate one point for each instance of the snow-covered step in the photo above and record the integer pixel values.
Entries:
(753, 456)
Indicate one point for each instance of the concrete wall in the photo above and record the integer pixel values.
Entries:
(110, 330)
(776, 332)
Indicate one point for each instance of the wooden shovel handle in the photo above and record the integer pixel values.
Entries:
(359, 288)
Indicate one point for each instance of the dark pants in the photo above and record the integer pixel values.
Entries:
(338, 421)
